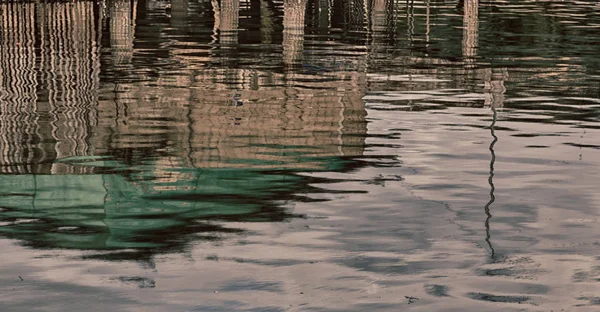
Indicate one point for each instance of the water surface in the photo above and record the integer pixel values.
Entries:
(299, 155)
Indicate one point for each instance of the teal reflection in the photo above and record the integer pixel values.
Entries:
(145, 209)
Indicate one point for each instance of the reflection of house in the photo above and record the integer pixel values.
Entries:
(50, 69)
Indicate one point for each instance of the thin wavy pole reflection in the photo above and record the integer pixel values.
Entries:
(491, 183)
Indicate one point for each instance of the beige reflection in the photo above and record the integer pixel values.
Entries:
(470, 30)
(122, 30)
(293, 31)
(226, 117)
(229, 23)
(48, 98)
(494, 88)
(380, 20)
(18, 84)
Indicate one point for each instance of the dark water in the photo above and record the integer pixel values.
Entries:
(300, 155)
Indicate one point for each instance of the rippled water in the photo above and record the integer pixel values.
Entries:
(300, 155)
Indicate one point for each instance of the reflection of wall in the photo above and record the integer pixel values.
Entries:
(50, 68)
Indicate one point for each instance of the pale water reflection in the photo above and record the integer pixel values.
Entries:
(299, 155)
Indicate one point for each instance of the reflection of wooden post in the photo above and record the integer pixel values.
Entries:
(293, 31)
(380, 14)
(229, 22)
(122, 30)
(470, 30)
(356, 11)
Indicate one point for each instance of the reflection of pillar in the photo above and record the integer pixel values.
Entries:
(470, 30)
(267, 23)
(380, 18)
(293, 31)
(179, 13)
(323, 16)
(122, 30)
(229, 21)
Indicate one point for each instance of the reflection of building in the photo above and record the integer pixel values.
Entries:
(234, 117)
(50, 76)
(166, 146)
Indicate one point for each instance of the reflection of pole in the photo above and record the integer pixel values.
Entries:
(229, 21)
(293, 31)
(470, 30)
(217, 17)
(491, 183)
(380, 24)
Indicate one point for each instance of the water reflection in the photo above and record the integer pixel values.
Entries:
(49, 99)
(155, 150)
(331, 148)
